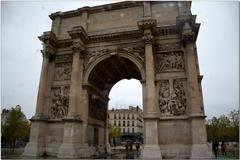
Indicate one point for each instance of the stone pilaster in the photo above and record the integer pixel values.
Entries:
(151, 112)
(199, 148)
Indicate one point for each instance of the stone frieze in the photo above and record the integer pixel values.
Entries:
(169, 62)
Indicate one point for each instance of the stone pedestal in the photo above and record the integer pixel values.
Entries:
(151, 148)
(36, 144)
(72, 141)
(201, 151)
(199, 148)
(151, 152)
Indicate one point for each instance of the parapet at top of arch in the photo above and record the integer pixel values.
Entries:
(111, 20)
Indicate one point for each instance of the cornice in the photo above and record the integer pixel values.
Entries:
(95, 9)
(78, 32)
(161, 31)
(48, 38)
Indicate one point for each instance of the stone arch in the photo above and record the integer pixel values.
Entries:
(136, 60)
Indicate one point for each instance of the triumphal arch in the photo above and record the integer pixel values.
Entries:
(90, 49)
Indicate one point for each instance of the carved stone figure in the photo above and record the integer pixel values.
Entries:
(63, 71)
(60, 102)
(169, 62)
(164, 94)
(179, 90)
(172, 103)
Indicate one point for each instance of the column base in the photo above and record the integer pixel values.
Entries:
(108, 148)
(201, 151)
(75, 151)
(151, 151)
(33, 149)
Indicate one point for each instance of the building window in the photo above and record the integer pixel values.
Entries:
(114, 123)
(128, 130)
(123, 123)
(123, 116)
(127, 116)
(123, 130)
(115, 116)
(128, 123)
(132, 130)
(132, 123)
(133, 116)
(119, 116)
(119, 123)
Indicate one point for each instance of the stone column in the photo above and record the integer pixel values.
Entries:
(42, 85)
(151, 113)
(73, 145)
(76, 78)
(36, 145)
(199, 147)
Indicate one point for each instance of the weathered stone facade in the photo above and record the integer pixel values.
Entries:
(90, 49)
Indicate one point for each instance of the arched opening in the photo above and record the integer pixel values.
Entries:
(125, 114)
(103, 76)
(126, 93)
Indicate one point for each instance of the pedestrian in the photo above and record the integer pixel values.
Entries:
(126, 147)
(114, 142)
(215, 145)
(137, 146)
(131, 145)
(223, 148)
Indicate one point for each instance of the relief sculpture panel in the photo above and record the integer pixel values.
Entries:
(169, 62)
(60, 101)
(172, 98)
(63, 71)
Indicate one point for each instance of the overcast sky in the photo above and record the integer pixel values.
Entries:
(217, 44)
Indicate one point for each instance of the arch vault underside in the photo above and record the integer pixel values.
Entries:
(90, 49)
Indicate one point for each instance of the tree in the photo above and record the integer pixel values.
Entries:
(114, 132)
(16, 128)
(224, 128)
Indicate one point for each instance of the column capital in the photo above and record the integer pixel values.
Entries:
(77, 46)
(188, 35)
(148, 38)
(188, 28)
(80, 39)
(48, 50)
(49, 42)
